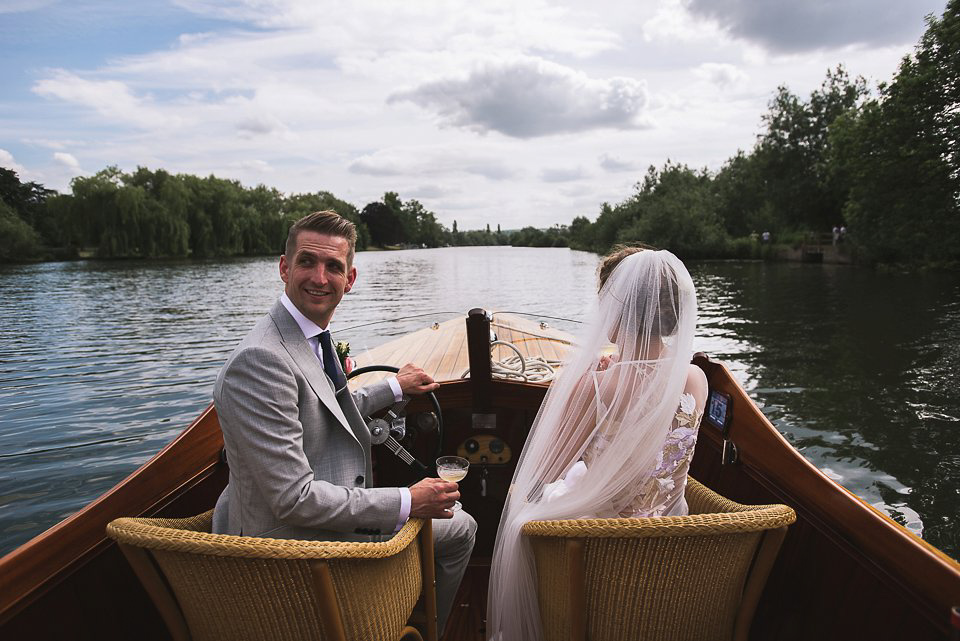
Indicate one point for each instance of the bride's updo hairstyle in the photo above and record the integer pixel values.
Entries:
(615, 257)
(665, 321)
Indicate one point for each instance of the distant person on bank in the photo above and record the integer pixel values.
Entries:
(297, 447)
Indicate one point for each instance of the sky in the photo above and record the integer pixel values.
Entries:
(511, 113)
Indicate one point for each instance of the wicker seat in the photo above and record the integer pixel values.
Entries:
(675, 577)
(215, 586)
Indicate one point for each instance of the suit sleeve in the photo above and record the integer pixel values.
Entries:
(373, 397)
(257, 399)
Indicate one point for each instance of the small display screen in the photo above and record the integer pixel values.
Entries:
(718, 409)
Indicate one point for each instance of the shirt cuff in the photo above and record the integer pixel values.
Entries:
(397, 392)
(404, 507)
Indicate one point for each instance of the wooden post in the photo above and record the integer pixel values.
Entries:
(478, 349)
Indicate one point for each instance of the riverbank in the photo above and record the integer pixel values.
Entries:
(840, 254)
(828, 254)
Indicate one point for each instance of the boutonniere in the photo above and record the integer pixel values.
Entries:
(343, 353)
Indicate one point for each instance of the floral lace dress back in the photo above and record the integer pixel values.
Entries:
(661, 492)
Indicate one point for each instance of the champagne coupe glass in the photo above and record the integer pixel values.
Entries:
(453, 469)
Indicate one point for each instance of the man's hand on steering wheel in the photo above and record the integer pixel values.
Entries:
(414, 381)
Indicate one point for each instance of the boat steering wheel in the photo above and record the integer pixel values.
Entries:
(382, 431)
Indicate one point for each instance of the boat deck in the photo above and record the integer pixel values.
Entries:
(468, 620)
(441, 349)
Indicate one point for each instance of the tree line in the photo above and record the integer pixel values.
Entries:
(883, 163)
(156, 214)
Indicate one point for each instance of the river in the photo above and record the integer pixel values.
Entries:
(102, 363)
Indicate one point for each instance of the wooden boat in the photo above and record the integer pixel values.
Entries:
(846, 571)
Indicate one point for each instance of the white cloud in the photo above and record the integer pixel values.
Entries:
(373, 166)
(260, 125)
(426, 161)
(562, 175)
(430, 191)
(255, 166)
(673, 23)
(528, 97)
(7, 161)
(492, 169)
(68, 161)
(610, 163)
(20, 6)
(371, 27)
(720, 74)
(50, 143)
(110, 98)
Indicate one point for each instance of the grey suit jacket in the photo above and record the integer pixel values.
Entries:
(299, 453)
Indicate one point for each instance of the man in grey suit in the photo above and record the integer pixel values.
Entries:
(298, 449)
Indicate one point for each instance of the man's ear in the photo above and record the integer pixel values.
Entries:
(284, 268)
(351, 279)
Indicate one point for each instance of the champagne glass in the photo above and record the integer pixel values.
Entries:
(453, 469)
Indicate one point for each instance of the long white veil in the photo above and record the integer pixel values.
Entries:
(647, 312)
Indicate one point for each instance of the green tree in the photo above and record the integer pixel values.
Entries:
(901, 154)
(607, 227)
(741, 201)
(68, 228)
(18, 240)
(297, 206)
(384, 224)
(96, 209)
(793, 153)
(675, 209)
(27, 200)
(581, 233)
(430, 231)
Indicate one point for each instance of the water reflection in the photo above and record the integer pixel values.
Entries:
(102, 363)
(855, 368)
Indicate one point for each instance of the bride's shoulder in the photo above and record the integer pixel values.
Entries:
(696, 385)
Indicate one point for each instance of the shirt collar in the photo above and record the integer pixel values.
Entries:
(307, 326)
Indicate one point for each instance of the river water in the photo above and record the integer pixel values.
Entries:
(103, 363)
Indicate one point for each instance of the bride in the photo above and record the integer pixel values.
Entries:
(616, 431)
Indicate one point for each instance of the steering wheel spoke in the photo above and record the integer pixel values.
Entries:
(382, 430)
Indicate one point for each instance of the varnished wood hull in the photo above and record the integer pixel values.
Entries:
(846, 571)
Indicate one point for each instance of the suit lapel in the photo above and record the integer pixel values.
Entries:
(299, 349)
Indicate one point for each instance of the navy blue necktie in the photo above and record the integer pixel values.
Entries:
(330, 361)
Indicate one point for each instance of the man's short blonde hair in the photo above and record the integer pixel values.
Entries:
(323, 222)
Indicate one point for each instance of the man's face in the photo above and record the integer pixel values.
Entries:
(317, 276)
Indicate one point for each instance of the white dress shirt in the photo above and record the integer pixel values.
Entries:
(311, 332)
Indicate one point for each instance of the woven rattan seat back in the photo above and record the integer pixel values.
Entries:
(214, 587)
(695, 577)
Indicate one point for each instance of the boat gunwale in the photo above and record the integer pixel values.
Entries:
(890, 550)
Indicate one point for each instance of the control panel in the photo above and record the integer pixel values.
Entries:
(485, 449)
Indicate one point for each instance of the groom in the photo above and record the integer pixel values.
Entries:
(298, 449)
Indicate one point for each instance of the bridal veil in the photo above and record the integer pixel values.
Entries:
(645, 315)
